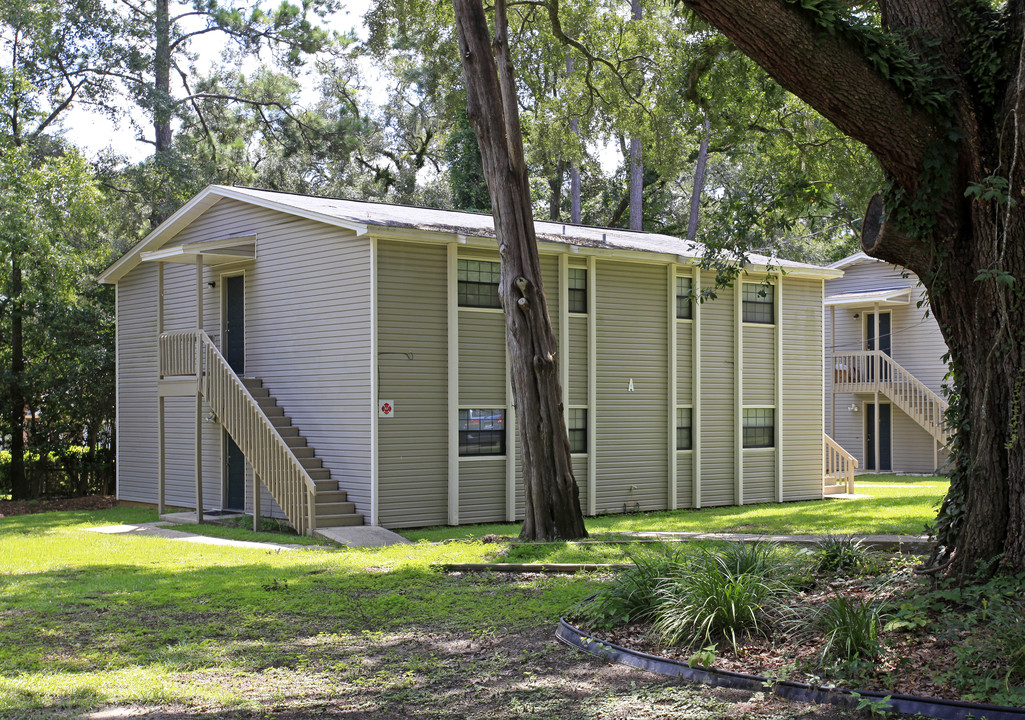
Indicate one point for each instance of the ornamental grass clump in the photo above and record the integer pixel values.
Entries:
(851, 629)
(721, 595)
(631, 597)
(840, 553)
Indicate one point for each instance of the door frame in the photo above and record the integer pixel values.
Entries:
(864, 414)
(865, 314)
(223, 303)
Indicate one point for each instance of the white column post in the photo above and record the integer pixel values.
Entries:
(779, 387)
(673, 380)
(453, 384)
(738, 389)
(199, 387)
(161, 433)
(592, 386)
(875, 377)
(695, 412)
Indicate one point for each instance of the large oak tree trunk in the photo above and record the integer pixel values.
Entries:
(949, 131)
(551, 494)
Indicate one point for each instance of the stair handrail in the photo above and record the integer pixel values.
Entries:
(273, 461)
(874, 370)
(840, 464)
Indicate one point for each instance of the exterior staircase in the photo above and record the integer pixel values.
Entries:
(331, 505)
(871, 371)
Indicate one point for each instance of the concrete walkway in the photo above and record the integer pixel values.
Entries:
(167, 528)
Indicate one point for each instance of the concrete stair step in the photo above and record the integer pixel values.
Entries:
(330, 509)
(348, 520)
(332, 495)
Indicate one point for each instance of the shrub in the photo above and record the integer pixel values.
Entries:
(720, 595)
(840, 553)
(851, 629)
(632, 595)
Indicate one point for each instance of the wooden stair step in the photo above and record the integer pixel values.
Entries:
(339, 520)
(325, 484)
(303, 453)
(330, 509)
(319, 474)
(294, 441)
(332, 495)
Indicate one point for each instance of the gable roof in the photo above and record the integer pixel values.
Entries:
(858, 257)
(363, 217)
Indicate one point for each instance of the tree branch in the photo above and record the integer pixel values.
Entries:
(808, 61)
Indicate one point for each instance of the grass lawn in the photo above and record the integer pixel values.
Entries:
(896, 505)
(91, 621)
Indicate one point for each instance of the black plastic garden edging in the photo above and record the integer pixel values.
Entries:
(909, 704)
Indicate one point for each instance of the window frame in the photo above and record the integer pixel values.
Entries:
(466, 449)
(463, 285)
(685, 299)
(584, 431)
(573, 294)
(757, 303)
(689, 427)
(746, 426)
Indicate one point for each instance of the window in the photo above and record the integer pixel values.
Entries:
(758, 305)
(482, 431)
(478, 283)
(684, 306)
(577, 284)
(577, 427)
(684, 429)
(759, 427)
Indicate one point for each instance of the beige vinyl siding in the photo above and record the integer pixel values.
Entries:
(718, 390)
(684, 479)
(801, 414)
(848, 430)
(759, 476)
(759, 369)
(481, 490)
(412, 445)
(917, 342)
(579, 465)
(481, 359)
(685, 362)
(632, 469)
(137, 385)
(914, 452)
(577, 360)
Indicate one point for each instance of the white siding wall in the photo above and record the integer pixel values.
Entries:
(918, 346)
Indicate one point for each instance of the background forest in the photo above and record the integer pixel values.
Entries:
(634, 115)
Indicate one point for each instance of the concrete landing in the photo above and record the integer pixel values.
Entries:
(363, 536)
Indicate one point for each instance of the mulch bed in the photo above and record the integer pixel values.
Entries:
(913, 664)
(91, 502)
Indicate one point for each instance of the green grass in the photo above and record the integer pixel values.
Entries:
(897, 505)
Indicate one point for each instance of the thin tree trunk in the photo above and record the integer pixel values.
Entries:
(636, 157)
(555, 204)
(574, 168)
(20, 489)
(162, 131)
(699, 181)
(552, 502)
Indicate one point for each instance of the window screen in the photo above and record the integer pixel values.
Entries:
(684, 306)
(577, 428)
(478, 283)
(684, 429)
(758, 305)
(759, 427)
(577, 284)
